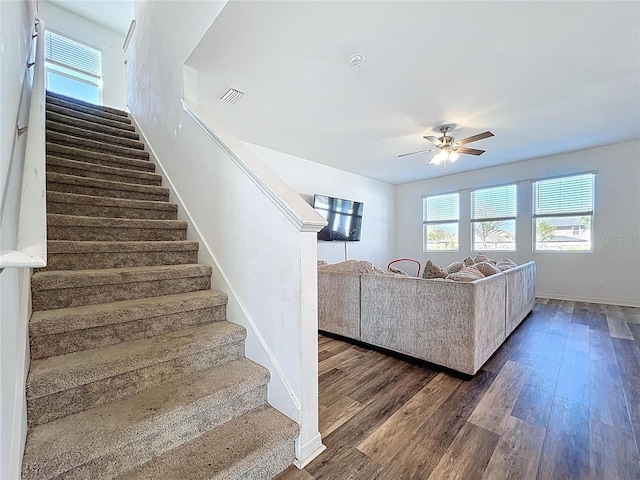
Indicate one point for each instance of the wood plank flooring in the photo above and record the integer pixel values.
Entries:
(559, 400)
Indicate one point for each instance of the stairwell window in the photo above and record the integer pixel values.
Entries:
(493, 218)
(440, 214)
(563, 213)
(73, 68)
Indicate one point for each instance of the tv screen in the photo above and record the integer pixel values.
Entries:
(344, 218)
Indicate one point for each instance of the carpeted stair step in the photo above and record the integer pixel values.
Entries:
(255, 446)
(95, 146)
(83, 255)
(91, 206)
(67, 384)
(94, 126)
(106, 159)
(93, 135)
(76, 101)
(95, 110)
(87, 117)
(68, 330)
(102, 229)
(113, 438)
(101, 172)
(59, 182)
(74, 288)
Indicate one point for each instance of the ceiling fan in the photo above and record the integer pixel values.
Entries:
(448, 148)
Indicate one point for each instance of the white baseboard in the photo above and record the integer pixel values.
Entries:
(571, 298)
(306, 452)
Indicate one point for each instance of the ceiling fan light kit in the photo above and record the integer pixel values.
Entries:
(448, 148)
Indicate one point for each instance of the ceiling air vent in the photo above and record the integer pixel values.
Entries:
(232, 96)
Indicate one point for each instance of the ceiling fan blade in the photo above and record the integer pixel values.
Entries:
(470, 151)
(413, 153)
(435, 140)
(474, 138)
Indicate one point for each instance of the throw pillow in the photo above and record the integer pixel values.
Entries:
(505, 264)
(378, 271)
(468, 261)
(487, 268)
(480, 257)
(322, 262)
(397, 271)
(353, 266)
(467, 274)
(431, 270)
(455, 267)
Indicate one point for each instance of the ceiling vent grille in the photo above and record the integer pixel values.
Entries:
(232, 96)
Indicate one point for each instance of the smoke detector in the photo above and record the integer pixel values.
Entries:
(232, 96)
(357, 60)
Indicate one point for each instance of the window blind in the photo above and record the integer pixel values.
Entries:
(442, 208)
(564, 196)
(494, 202)
(69, 53)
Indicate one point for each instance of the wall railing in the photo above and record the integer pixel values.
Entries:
(31, 245)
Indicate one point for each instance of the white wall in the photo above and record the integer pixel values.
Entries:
(265, 263)
(16, 28)
(307, 178)
(108, 41)
(611, 274)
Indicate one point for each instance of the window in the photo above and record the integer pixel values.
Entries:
(440, 222)
(493, 218)
(72, 68)
(563, 213)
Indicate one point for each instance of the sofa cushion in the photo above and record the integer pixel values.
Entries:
(505, 264)
(487, 268)
(431, 270)
(455, 267)
(353, 266)
(468, 261)
(467, 274)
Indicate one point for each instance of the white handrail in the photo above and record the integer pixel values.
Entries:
(31, 248)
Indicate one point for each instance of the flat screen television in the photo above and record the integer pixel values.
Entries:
(344, 218)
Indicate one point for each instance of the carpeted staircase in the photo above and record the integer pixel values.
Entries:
(134, 371)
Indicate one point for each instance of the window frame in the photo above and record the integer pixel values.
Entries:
(426, 223)
(578, 213)
(513, 218)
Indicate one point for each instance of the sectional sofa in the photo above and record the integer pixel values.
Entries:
(457, 325)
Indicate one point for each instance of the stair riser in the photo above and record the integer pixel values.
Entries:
(68, 112)
(93, 135)
(160, 196)
(96, 158)
(156, 439)
(82, 261)
(268, 467)
(114, 177)
(58, 405)
(88, 125)
(98, 234)
(84, 339)
(91, 295)
(93, 146)
(88, 110)
(110, 212)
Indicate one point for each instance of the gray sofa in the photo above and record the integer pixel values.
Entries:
(457, 325)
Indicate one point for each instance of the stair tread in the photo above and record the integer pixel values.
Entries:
(91, 109)
(115, 111)
(227, 451)
(83, 436)
(77, 246)
(77, 131)
(91, 125)
(55, 374)
(94, 167)
(105, 184)
(92, 145)
(60, 220)
(63, 279)
(50, 322)
(61, 149)
(64, 197)
(88, 117)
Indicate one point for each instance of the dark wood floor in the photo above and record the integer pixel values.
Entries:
(559, 400)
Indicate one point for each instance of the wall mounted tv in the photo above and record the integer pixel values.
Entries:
(344, 218)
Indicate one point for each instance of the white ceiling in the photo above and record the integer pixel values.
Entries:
(113, 14)
(544, 77)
